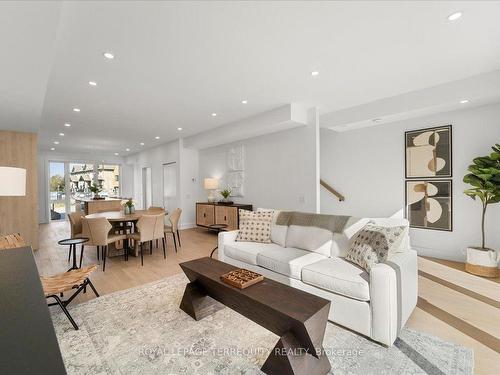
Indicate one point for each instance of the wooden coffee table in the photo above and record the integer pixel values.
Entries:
(299, 318)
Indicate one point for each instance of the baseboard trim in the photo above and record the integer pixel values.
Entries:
(187, 226)
(457, 256)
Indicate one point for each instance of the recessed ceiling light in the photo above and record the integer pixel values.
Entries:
(67, 124)
(179, 129)
(314, 73)
(142, 143)
(116, 154)
(56, 142)
(92, 83)
(52, 149)
(61, 134)
(127, 149)
(454, 16)
(109, 55)
(244, 101)
(76, 109)
(157, 137)
(376, 120)
(214, 114)
(464, 101)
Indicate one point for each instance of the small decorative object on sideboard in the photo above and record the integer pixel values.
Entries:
(129, 207)
(241, 278)
(226, 193)
(484, 177)
(211, 184)
(96, 189)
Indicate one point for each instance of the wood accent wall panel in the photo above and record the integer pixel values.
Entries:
(19, 214)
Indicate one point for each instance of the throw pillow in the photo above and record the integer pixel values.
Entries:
(374, 244)
(278, 232)
(255, 226)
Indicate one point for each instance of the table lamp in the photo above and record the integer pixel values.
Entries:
(211, 184)
(12, 182)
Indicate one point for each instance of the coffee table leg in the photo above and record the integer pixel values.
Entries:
(290, 357)
(197, 304)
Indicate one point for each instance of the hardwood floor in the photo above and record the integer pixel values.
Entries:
(453, 305)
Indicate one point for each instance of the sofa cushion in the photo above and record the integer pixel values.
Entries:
(374, 244)
(255, 226)
(286, 260)
(338, 276)
(278, 232)
(247, 251)
(309, 238)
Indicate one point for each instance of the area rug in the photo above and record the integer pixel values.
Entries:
(143, 331)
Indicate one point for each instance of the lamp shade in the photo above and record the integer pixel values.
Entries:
(211, 183)
(12, 181)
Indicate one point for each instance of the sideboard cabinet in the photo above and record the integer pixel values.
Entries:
(215, 213)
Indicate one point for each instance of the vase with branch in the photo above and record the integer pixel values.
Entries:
(484, 176)
(95, 189)
(226, 193)
(129, 207)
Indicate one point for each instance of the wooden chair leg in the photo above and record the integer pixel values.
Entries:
(179, 238)
(175, 242)
(81, 256)
(69, 254)
(164, 248)
(151, 247)
(97, 247)
(142, 255)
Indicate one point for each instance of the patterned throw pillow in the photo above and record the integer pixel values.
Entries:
(374, 244)
(255, 226)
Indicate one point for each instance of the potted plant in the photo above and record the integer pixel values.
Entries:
(95, 189)
(484, 177)
(129, 207)
(226, 193)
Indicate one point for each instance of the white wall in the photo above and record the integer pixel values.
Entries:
(280, 168)
(187, 176)
(367, 166)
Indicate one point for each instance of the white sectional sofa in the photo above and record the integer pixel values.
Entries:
(375, 304)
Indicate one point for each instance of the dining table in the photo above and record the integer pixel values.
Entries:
(117, 217)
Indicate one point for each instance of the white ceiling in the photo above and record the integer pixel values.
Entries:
(177, 62)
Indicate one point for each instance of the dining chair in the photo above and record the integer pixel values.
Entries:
(97, 231)
(156, 209)
(54, 286)
(173, 228)
(75, 224)
(149, 228)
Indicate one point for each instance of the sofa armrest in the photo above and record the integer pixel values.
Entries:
(393, 295)
(225, 238)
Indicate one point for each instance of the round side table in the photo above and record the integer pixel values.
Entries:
(219, 228)
(72, 242)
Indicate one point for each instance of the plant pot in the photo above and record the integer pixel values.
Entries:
(126, 210)
(482, 262)
(132, 209)
(226, 202)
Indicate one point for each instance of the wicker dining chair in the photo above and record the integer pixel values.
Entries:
(54, 286)
(173, 228)
(11, 241)
(149, 228)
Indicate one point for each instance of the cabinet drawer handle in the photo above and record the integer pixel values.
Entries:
(225, 218)
(204, 215)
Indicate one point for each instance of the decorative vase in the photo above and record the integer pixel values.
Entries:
(126, 210)
(132, 209)
(96, 196)
(482, 262)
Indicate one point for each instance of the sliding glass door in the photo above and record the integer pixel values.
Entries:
(71, 181)
(57, 191)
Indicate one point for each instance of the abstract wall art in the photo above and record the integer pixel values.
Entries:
(428, 153)
(429, 204)
(236, 170)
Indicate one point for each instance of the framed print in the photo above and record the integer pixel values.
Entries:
(429, 204)
(428, 153)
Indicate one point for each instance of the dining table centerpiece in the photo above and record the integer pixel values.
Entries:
(129, 207)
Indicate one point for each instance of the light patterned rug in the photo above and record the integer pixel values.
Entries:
(143, 331)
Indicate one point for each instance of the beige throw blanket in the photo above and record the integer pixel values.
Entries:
(333, 223)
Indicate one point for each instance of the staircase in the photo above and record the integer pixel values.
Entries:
(340, 197)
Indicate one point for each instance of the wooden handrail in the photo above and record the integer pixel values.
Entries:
(332, 190)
